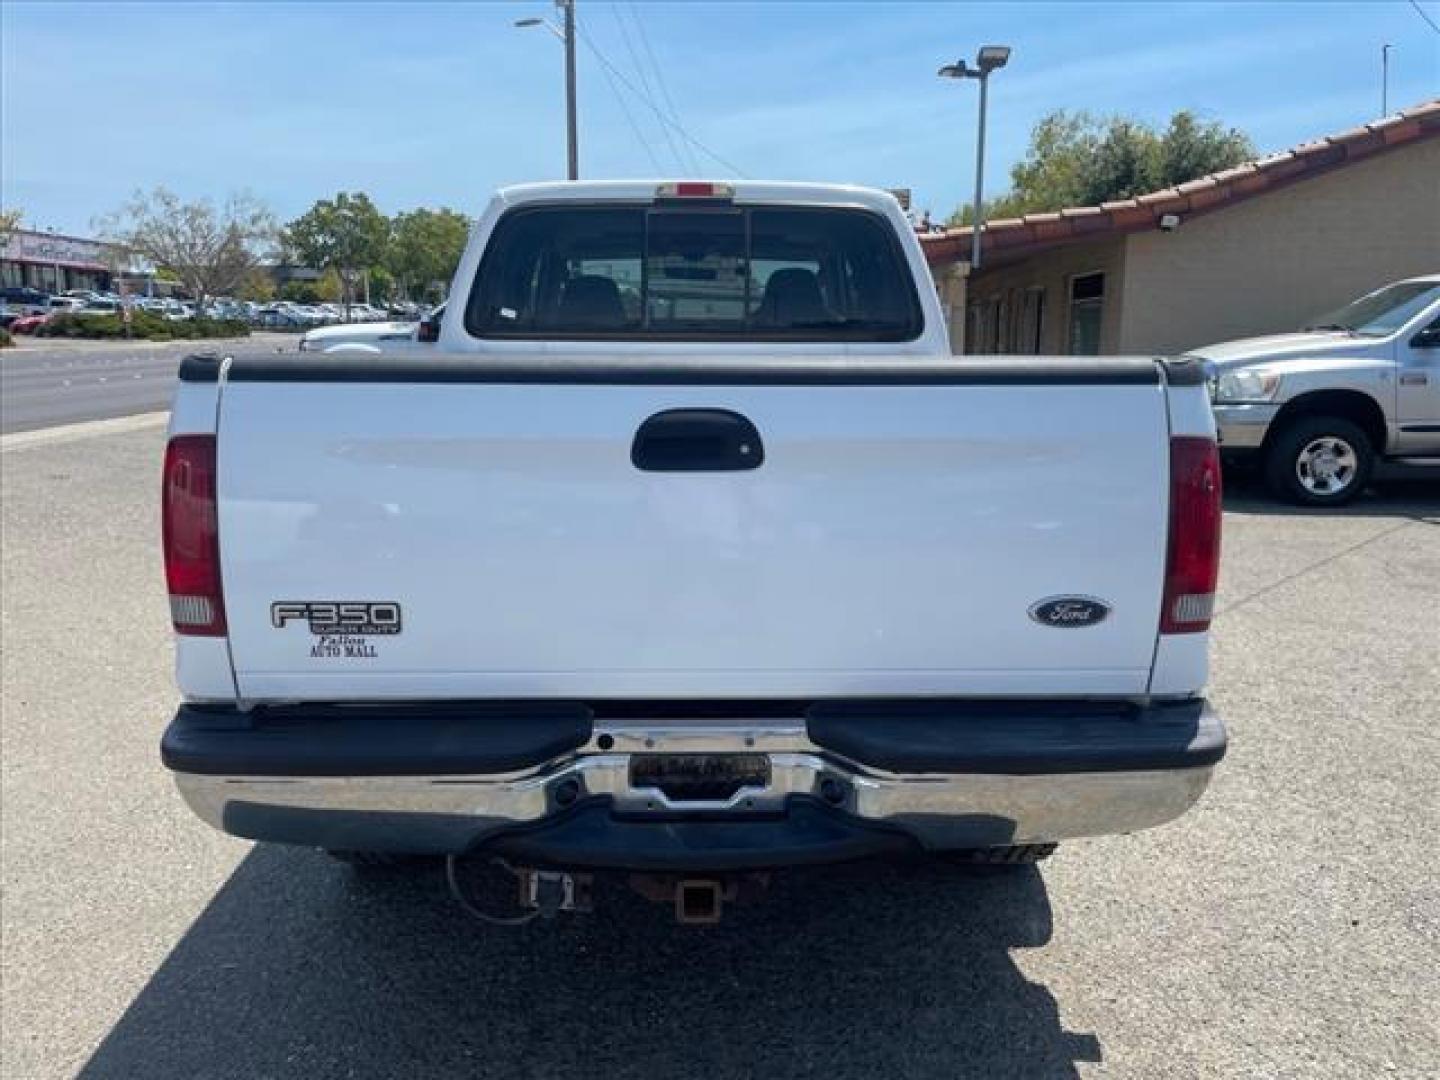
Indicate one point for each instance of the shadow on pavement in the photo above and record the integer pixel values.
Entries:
(1414, 498)
(298, 968)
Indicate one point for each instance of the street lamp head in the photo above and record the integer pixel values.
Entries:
(992, 57)
(529, 22)
(957, 70)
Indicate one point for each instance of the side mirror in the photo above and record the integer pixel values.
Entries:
(1429, 338)
(429, 329)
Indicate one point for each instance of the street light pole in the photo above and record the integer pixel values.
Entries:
(979, 178)
(572, 143)
(990, 58)
(567, 37)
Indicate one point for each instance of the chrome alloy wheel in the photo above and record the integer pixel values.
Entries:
(1326, 466)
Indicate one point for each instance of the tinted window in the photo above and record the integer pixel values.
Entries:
(712, 273)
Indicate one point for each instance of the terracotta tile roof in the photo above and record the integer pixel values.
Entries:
(1015, 237)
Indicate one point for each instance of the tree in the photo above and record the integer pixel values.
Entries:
(1190, 148)
(326, 289)
(256, 285)
(1079, 159)
(381, 285)
(346, 234)
(425, 247)
(9, 222)
(210, 250)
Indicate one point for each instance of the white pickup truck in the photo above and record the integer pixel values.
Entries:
(690, 552)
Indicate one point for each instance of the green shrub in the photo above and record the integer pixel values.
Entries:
(5, 339)
(144, 325)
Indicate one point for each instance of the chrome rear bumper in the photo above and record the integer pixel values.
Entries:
(455, 813)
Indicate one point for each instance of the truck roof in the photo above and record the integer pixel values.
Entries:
(745, 192)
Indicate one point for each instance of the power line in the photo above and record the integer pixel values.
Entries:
(644, 82)
(605, 62)
(661, 82)
(1425, 15)
(639, 135)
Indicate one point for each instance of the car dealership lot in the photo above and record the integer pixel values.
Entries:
(1287, 927)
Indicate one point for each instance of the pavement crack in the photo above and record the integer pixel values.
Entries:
(1327, 560)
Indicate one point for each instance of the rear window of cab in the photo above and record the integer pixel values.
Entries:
(686, 273)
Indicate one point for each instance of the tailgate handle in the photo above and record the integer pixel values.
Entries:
(697, 440)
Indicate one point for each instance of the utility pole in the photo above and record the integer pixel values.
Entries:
(566, 33)
(572, 142)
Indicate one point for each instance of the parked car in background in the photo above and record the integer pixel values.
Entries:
(66, 303)
(24, 301)
(373, 337)
(28, 324)
(1316, 410)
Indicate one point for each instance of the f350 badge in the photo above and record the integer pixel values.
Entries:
(343, 627)
(1065, 612)
(360, 617)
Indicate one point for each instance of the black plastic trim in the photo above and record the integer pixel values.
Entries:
(1183, 370)
(1019, 737)
(592, 835)
(672, 371)
(1418, 428)
(697, 440)
(373, 740)
(201, 368)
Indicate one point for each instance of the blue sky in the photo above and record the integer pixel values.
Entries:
(426, 105)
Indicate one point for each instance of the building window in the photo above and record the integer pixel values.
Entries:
(1087, 312)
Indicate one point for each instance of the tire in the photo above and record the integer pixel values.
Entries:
(1021, 855)
(1319, 461)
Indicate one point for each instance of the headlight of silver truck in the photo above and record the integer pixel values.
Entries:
(1245, 384)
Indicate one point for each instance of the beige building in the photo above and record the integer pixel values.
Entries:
(1261, 248)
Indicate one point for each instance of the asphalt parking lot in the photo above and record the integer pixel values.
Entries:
(1288, 927)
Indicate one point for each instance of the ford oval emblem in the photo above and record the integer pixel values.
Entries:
(1068, 611)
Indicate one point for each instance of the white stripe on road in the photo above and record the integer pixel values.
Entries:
(91, 429)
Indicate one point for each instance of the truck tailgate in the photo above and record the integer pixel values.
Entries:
(894, 540)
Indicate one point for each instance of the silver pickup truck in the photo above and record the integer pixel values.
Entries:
(1318, 409)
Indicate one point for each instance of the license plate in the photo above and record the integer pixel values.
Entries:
(699, 777)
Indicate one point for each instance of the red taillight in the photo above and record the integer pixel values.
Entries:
(1192, 564)
(191, 536)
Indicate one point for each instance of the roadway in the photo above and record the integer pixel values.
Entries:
(1289, 926)
(45, 383)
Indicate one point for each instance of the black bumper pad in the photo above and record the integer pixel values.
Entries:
(374, 740)
(1019, 737)
(593, 835)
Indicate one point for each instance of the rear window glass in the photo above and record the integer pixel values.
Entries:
(711, 273)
